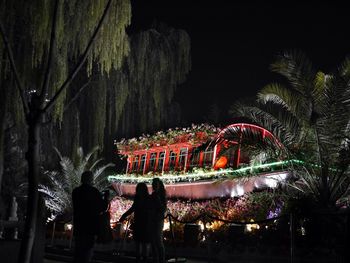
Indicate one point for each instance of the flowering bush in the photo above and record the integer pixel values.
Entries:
(252, 206)
(256, 206)
(118, 206)
(193, 134)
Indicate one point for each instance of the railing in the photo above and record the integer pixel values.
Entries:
(293, 240)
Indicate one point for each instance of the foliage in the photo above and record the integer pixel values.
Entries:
(195, 134)
(73, 31)
(257, 145)
(251, 206)
(51, 43)
(311, 116)
(58, 191)
(144, 88)
(309, 188)
(130, 84)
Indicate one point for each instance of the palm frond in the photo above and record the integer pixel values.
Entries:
(291, 100)
(281, 123)
(297, 68)
(95, 163)
(58, 191)
(344, 68)
(322, 85)
(100, 179)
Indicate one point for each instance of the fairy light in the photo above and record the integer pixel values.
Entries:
(202, 175)
(201, 225)
(252, 227)
(166, 226)
(68, 227)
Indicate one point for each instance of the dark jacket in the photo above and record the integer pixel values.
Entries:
(87, 206)
(141, 228)
(157, 208)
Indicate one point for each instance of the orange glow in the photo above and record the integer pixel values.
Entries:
(221, 162)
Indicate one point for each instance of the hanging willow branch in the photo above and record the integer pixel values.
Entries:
(81, 61)
(159, 61)
(47, 75)
(77, 94)
(14, 69)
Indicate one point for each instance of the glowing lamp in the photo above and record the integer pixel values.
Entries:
(221, 162)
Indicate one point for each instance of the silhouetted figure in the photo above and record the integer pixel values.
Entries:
(87, 207)
(141, 227)
(105, 232)
(157, 211)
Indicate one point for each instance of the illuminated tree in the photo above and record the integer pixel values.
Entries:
(112, 94)
(48, 41)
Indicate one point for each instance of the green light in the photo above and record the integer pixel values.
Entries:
(199, 175)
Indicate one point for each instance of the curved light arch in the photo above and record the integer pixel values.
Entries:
(248, 134)
(264, 132)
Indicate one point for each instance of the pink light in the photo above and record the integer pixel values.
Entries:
(264, 131)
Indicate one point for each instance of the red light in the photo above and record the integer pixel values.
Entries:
(221, 162)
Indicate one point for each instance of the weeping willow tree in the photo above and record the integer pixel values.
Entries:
(137, 98)
(43, 49)
(159, 61)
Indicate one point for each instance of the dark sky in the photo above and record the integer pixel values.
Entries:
(234, 42)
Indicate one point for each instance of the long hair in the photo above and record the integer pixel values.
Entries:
(141, 192)
(159, 189)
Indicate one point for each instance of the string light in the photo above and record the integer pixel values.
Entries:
(197, 175)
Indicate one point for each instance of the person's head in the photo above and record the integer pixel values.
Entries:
(141, 190)
(87, 177)
(157, 185)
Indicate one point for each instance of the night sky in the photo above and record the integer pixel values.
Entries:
(234, 42)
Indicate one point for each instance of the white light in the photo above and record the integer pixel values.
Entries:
(201, 225)
(166, 226)
(273, 180)
(233, 193)
(240, 190)
(68, 227)
(251, 227)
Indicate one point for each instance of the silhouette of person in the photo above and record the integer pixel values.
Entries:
(105, 231)
(157, 211)
(87, 207)
(141, 229)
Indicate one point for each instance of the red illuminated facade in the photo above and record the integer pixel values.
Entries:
(180, 155)
(187, 151)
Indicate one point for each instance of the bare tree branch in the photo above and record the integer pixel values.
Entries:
(14, 70)
(47, 75)
(81, 61)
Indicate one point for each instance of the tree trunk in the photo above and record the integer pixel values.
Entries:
(2, 131)
(33, 158)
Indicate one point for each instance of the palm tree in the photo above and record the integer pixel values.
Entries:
(311, 116)
(58, 191)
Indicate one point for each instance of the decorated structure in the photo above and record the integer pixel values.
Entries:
(191, 161)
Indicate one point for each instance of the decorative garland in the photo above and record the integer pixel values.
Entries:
(203, 174)
(193, 134)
